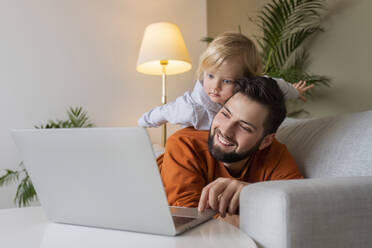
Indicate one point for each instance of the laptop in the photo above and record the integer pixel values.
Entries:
(102, 177)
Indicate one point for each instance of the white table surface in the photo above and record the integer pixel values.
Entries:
(29, 227)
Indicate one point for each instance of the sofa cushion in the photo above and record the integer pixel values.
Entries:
(331, 146)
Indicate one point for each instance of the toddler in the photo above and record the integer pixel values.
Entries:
(230, 56)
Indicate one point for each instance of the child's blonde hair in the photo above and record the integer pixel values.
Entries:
(231, 45)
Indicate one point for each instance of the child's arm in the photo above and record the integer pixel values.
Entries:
(288, 90)
(293, 91)
(301, 87)
(181, 112)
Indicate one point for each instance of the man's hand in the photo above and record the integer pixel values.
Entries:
(231, 219)
(221, 195)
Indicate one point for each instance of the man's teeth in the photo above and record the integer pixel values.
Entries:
(223, 141)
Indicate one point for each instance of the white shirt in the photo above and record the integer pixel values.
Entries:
(195, 108)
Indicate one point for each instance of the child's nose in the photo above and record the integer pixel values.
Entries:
(216, 84)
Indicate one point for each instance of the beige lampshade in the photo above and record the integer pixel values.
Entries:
(163, 42)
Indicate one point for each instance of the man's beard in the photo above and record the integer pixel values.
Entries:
(229, 157)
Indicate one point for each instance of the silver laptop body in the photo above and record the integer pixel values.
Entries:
(101, 177)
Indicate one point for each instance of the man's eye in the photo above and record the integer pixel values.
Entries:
(247, 129)
(225, 114)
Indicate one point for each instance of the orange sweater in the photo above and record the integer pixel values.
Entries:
(186, 166)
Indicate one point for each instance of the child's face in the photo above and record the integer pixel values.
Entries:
(218, 83)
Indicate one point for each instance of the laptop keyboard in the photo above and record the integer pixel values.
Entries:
(178, 220)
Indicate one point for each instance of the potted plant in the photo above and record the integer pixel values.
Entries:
(285, 28)
(77, 118)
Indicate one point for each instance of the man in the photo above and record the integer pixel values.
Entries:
(208, 169)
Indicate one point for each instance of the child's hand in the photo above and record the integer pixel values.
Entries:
(302, 88)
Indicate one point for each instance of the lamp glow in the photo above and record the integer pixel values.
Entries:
(163, 52)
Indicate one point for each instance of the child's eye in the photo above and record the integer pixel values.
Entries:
(210, 76)
(226, 81)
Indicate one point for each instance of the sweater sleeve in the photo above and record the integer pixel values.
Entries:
(288, 90)
(182, 172)
(181, 112)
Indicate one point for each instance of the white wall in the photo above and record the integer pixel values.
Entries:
(55, 54)
(225, 15)
(343, 52)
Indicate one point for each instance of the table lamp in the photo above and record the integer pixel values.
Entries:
(163, 52)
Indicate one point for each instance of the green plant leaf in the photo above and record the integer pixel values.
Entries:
(77, 118)
(9, 177)
(25, 192)
(286, 24)
(207, 39)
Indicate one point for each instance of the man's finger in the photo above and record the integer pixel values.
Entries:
(226, 197)
(234, 203)
(203, 198)
(203, 201)
(214, 193)
(207, 206)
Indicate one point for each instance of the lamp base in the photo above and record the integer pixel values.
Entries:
(164, 134)
(164, 99)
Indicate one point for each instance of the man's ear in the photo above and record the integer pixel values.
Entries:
(266, 141)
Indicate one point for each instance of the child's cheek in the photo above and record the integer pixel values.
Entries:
(205, 88)
(224, 99)
(229, 93)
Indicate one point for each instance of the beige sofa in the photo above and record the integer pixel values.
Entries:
(333, 206)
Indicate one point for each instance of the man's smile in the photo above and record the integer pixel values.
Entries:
(224, 141)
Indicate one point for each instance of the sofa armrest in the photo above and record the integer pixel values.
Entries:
(323, 212)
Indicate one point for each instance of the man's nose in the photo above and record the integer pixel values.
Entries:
(227, 129)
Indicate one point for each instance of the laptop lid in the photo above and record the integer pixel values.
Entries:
(102, 177)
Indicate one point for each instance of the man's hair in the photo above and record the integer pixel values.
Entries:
(265, 91)
(231, 45)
